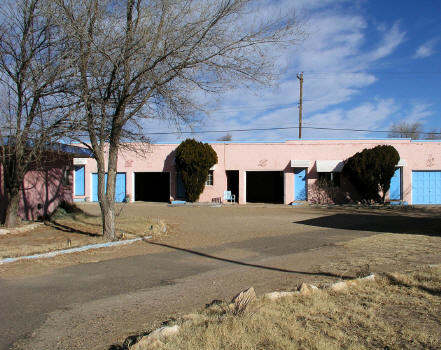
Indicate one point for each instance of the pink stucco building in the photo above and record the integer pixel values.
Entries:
(49, 182)
(275, 172)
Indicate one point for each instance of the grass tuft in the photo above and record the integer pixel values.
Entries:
(397, 311)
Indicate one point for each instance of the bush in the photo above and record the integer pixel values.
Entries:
(323, 191)
(371, 170)
(194, 160)
(65, 209)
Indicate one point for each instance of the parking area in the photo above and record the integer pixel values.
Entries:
(208, 253)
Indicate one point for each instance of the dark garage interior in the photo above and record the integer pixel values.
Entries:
(233, 182)
(265, 187)
(152, 187)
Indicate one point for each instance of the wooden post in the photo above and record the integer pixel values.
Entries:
(300, 77)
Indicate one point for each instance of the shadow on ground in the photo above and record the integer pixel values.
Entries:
(430, 226)
(133, 339)
(243, 263)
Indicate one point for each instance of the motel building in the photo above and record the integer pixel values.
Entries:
(266, 172)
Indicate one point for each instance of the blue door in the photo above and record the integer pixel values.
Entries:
(300, 184)
(79, 180)
(395, 185)
(120, 187)
(426, 187)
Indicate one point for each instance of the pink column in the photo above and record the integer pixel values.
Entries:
(242, 187)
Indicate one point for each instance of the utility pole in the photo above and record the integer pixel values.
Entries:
(300, 77)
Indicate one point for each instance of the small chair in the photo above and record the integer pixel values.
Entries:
(229, 197)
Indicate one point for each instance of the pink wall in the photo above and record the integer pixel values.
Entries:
(271, 156)
(43, 190)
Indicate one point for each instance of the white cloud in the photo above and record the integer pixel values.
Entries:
(336, 58)
(418, 112)
(426, 50)
(391, 40)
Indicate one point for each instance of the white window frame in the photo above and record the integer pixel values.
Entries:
(210, 178)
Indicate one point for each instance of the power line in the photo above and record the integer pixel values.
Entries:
(286, 128)
(373, 72)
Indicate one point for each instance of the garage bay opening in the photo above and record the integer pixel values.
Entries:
(152, 187)
(265, 187)
(233, 183)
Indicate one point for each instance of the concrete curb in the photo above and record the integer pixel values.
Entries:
(72, 250)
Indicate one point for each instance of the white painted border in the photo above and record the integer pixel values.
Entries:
(133, 186)
(72, 250)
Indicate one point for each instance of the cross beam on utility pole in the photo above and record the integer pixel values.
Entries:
(300, 77)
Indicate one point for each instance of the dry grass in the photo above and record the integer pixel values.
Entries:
(90, 224)
(385, 252)
(72, 230)
(40, 240)
(397, 311)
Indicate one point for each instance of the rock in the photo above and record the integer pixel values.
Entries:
(165, 332)
(147, 343)
(371, 277)
(153, 340)
(278, 295)
(307, 289)
(339, 286)
(242, 300)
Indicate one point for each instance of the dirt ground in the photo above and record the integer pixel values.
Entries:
(234, 247)
(202, 227)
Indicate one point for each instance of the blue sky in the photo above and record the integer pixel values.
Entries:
(366, 64)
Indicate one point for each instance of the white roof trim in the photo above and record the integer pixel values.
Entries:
(329, 166)
(80, 161)
(300, 163)
(402, 163)
(213, 167)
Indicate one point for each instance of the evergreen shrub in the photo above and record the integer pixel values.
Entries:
(194, 160)
(371, 170)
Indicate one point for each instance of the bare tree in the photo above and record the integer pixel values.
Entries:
(32, 60)
(226, 137)
(433, 135)
(138, 59)
(406, 130)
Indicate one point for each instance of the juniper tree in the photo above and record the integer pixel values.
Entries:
(193, 161)
(371, 170)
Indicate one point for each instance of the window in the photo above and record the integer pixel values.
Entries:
(330, 178)
(209, 181)
(65, 178)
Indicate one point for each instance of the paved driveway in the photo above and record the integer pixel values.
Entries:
(91, 300)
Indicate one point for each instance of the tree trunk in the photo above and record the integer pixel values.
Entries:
(107, 204)
(109, 208)
(106, 192)
(11, 218)
(108, 216)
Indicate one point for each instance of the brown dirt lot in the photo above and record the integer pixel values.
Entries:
(408, 235)
(233, 247)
